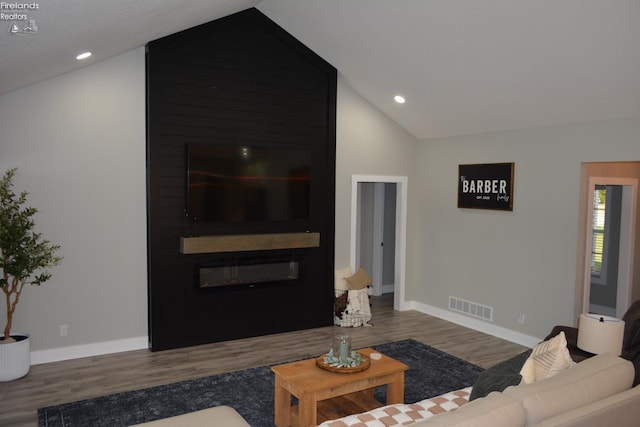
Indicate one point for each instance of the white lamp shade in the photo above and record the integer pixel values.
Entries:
(599, 334)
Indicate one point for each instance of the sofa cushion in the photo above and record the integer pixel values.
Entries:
(588, 381)
(499, 376)
(619, 410)
(218, 416)
(495, 410)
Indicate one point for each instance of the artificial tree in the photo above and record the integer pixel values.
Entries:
(25, 256)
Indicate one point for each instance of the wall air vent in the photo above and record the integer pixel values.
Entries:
(474, 309)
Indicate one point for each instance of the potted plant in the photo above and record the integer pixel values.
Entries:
(25, 258)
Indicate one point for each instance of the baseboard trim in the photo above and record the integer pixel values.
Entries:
(88, 350)
(472, 323)
(97, 349)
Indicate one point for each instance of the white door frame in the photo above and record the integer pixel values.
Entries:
(627, 239)
(401, 229)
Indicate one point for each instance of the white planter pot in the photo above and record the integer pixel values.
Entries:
(15, 359)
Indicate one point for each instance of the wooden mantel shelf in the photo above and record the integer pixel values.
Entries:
(248, 242)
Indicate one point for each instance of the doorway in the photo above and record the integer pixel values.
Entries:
(376, 201)
(609, 245)
(376, 234)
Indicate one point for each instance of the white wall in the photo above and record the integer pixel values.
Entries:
(522, 261)
(78, 141)
(368, 143)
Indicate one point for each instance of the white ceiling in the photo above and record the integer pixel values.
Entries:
(465, 66)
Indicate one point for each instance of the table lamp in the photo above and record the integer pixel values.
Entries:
(598, 334)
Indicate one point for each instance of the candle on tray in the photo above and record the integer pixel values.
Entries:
(344, 350)
(342, 345)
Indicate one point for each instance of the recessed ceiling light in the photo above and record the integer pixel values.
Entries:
(399, 99)
(83, 55)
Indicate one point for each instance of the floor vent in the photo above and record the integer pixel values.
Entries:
(471, 308)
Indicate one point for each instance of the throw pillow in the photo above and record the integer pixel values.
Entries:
(340, 276)
(547, 359)
(360, 280)
(500, 376)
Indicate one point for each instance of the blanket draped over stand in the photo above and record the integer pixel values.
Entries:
(352, 308)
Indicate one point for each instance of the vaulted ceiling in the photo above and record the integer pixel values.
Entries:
(464, 66)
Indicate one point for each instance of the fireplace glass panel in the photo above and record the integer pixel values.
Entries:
(247, 274)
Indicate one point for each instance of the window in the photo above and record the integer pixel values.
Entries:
(599, 235)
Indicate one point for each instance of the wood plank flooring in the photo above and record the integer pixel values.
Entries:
(68, 381)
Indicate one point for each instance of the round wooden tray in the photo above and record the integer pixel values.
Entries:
(366, 362)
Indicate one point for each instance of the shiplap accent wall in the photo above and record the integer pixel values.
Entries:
(239, 80)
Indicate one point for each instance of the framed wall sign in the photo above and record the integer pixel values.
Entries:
(486, 186)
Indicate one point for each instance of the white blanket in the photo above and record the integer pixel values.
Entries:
(358, 310)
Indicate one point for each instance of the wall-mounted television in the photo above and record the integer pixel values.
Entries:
(232, 183)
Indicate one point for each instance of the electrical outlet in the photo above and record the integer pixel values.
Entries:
(64, 330)
(521, 318)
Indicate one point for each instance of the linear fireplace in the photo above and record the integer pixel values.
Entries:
(247, 271)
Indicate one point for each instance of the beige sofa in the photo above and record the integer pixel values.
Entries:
(594, 393)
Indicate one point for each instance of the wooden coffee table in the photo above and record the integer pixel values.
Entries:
(311, 385)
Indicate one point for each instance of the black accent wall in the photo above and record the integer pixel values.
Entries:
(241, 80)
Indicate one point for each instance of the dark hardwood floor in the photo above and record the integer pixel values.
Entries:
(67, 381)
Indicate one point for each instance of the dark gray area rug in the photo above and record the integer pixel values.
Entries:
(250, 392)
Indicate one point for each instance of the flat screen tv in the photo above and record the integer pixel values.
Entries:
(247, 184)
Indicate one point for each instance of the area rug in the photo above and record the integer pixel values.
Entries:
(250, 392)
